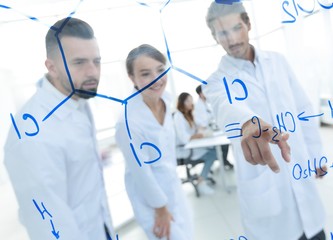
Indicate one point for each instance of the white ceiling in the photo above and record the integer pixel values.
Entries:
(22, 9)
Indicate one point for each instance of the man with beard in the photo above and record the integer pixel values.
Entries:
(56, 171)
(273, 204)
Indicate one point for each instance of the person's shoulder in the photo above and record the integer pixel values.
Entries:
(177, 114)
(225, 68)
(273, 55)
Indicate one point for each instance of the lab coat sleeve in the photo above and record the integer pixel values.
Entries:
(237, 112)
(181, 128)
(309, 129)
(146, 185)
(38, 173)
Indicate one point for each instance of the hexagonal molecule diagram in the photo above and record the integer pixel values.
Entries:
(37, 125)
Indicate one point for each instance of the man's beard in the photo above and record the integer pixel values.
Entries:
(87, 93)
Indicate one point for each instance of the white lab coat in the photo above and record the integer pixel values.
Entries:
(273, 206)
(59, 167)
(153, 185)
(203, 113)
(184, 132)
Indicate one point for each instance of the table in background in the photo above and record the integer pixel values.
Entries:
(216, 140)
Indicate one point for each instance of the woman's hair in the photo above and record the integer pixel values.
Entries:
(144, 49)
(181, 107)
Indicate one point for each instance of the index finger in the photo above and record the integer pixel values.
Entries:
(267, 156)
(281, 141)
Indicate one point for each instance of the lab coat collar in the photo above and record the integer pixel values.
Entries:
(51, 97)
(165, 97)
(234, 65)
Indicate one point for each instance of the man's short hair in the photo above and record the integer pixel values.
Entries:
(198, 89)
(65, 27)
(217, 10)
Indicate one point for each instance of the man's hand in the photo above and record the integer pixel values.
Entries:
(255, 143)
(162, 224)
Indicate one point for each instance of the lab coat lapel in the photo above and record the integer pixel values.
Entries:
(270, 83)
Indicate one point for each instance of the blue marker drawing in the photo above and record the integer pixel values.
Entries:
(325, 6)
(329, 103)
(15, 126)
(312, 167)
(307, 11)
(110, 238)
(168, 50)
(40, 211)
(239, 238)
(306, 118)
(241, 83)
(125, 101)
(25, 116)
(229, 2)
(233, 129)
(281, 124)
(297, 6)
(258, 121)
(54, 232)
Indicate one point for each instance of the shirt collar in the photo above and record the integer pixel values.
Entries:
(52, 98)
(236, 64)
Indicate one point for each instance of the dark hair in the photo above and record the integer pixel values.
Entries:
(67, 27)
(144, 49)
(181, 107)
(198, 89)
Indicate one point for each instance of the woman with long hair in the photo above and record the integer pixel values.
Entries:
(186, 130)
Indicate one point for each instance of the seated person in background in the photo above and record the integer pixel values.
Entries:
(204, 118)
(187, 129)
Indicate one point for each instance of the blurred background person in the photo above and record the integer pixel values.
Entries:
(186, 130)
(56, 172)
(155, 191)
(204, 117)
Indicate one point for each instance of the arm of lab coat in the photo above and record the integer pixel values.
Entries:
(181, 128)
(309, 129)
(225, 112)
(38, 172)
(146, 183)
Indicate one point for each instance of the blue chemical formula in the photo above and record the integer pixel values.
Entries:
(239, 238)
(35, 125)
(286, 121)
(229, 2)
(46, 215)
(313, 167)
(293, 10)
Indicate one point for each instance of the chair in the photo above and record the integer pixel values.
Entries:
(189, 165)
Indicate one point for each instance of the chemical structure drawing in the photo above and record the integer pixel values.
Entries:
(54, 232)
(124, 102)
